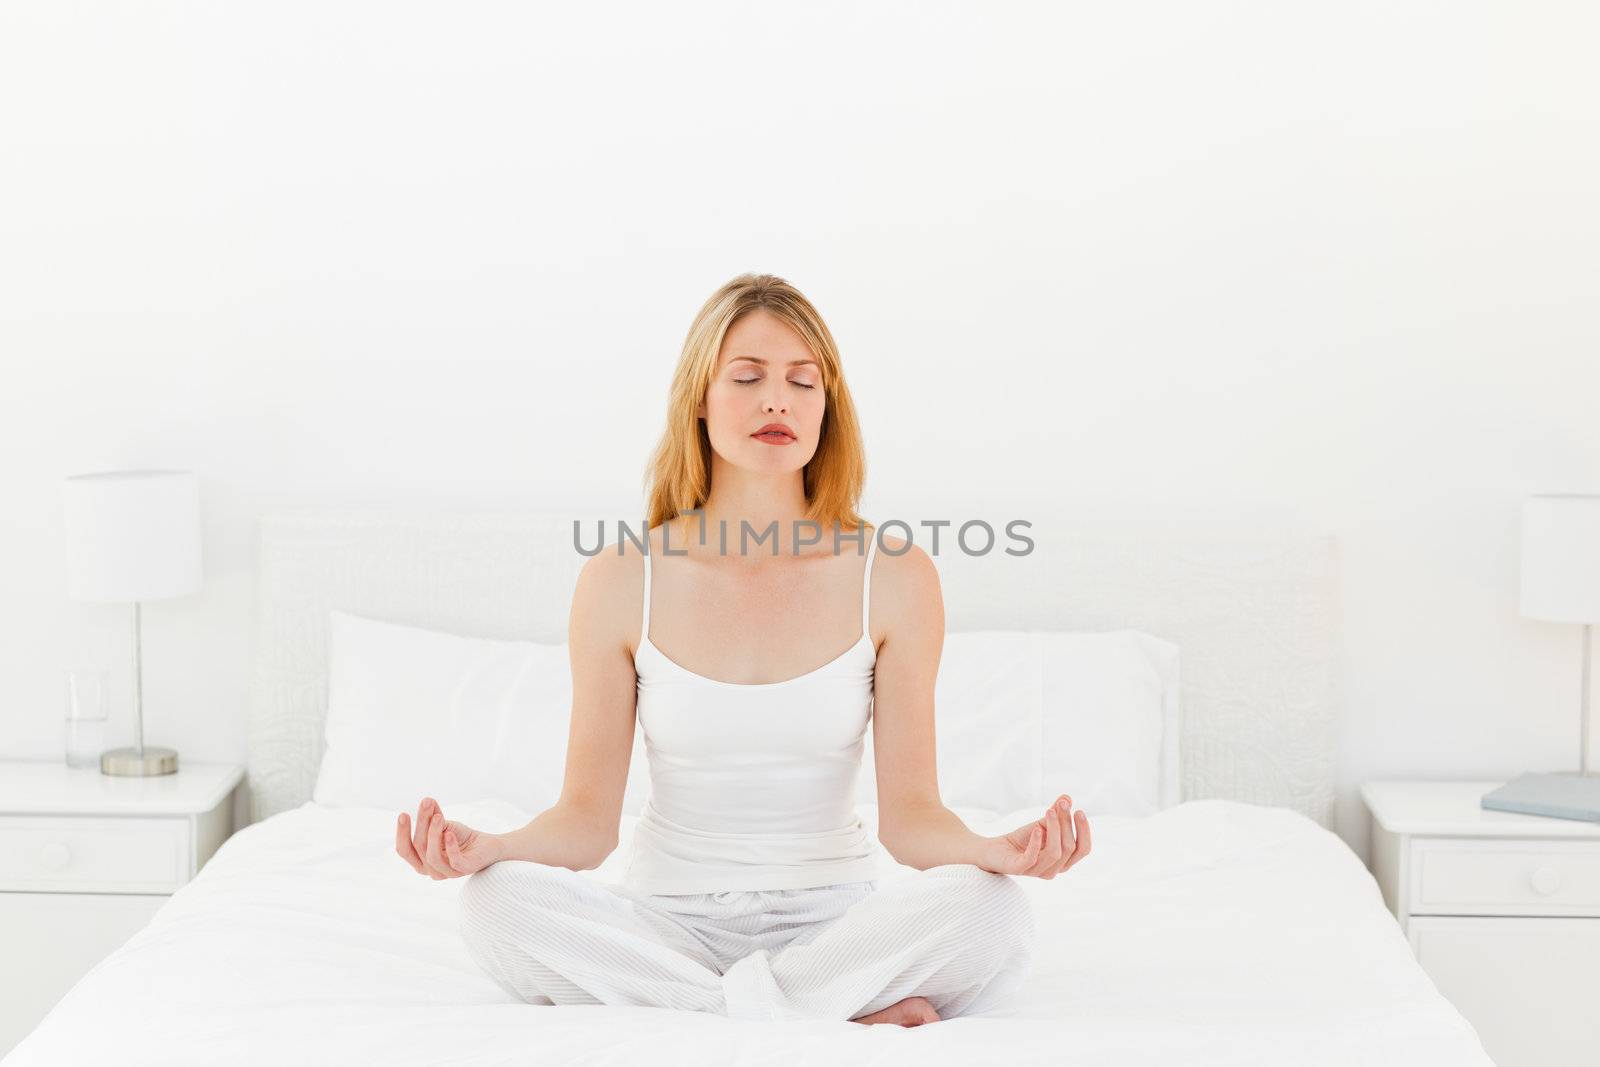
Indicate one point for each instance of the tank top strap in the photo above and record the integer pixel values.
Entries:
(866, 583)
(644, 632)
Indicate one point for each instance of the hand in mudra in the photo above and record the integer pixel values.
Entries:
(442, 848)
(1042, 848)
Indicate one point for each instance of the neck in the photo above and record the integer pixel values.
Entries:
(759, 500)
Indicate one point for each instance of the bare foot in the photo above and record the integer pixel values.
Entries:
(912, 1011)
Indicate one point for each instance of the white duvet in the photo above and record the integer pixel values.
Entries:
(1215, 932)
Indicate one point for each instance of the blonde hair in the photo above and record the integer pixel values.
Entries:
(679, 474)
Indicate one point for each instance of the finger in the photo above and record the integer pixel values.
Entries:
(419, 835)
(403, 845)
(452, 853)
(1044, 845)
(443, 859)
(419, 828)
(436, 842)
(1031, 854)
(1069, 839)
(1062, 845)
(435, 854)
(1084, 841)
(1046, 831)
(1050, 854)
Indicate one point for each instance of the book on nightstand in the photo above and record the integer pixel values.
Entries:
(1561, 796)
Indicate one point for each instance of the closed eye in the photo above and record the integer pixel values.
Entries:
(752, 381)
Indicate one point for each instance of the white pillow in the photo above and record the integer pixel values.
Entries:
(1024, 716)
(414, 712)
(1112, 721)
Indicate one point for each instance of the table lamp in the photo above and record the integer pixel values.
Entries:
(133, 536)
(1560, 583)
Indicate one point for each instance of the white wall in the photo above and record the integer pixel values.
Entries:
(1329, 263)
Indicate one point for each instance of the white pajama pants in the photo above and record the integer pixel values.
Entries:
(956, 934)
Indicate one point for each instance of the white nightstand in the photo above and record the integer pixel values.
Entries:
(1502, 911)
(85, 860)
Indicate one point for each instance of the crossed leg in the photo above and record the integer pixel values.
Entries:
(549, 935)
(957, 935)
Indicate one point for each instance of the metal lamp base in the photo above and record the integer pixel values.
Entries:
(139, 763)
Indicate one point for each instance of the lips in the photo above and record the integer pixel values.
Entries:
(774, 432)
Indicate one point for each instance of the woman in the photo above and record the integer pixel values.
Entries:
(752, 889)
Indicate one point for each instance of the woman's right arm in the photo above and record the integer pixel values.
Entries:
(581, 829)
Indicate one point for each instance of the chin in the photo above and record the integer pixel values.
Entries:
(761, 457)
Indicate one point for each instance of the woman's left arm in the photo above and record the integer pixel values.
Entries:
(914, 825)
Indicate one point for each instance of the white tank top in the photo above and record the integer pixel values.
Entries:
(752, 786)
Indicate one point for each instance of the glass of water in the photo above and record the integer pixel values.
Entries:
(88, 702)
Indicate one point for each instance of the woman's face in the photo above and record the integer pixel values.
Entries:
(765, 374)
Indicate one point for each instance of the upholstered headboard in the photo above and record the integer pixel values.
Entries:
(1255, 618)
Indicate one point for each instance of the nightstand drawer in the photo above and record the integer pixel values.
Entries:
(1525, 984)
(89, 854)
(1483, 876)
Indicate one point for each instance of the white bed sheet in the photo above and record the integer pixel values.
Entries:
(1214, 932)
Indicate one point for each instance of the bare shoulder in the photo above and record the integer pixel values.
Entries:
(905, 588)
(608, 600)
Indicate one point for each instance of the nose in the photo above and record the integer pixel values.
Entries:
(773, 403)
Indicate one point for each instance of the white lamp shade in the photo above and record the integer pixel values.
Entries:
(1561, 557)
(132, 535)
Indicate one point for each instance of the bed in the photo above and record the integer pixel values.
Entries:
(1229, 927)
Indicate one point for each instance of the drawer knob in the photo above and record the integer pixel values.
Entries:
(55, 855)
(1546, 880)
